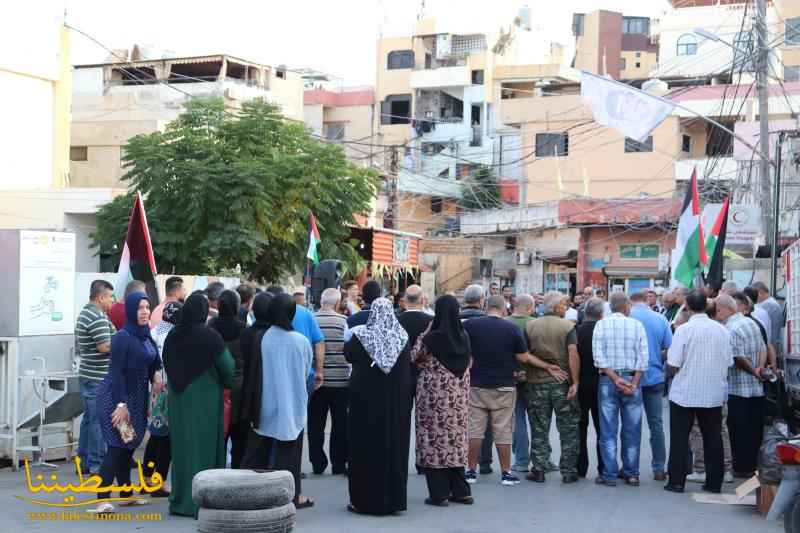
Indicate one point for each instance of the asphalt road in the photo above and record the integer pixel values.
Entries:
(555, 507)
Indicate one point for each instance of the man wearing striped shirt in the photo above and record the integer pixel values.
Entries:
(332, 395)
(93, 332)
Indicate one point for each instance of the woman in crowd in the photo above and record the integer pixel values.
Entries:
(123, 396)
(199, 367)
(230, 327)
(250, 346)
(158, 451)
(276, 441)
(442, 355)
(380, 412)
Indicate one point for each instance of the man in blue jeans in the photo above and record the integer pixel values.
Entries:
(659, 339)
(619, 348)
(93, 331)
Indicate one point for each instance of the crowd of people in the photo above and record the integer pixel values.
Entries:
(240, 378)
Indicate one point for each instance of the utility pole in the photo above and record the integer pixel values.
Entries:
(773, 264)
(762, 68)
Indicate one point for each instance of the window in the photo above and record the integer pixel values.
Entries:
(78, 153)
(396, 109)
(638, 65)
(638, 54)
(477, 77)
(552, 144)
(436, 205)
(622, 63)
(791, 73)
(400, 59)
(333, 131)
(281, 73)
(687, 45)
(577, 24)
(793, 30)
(640, 25)
(686, 144)
(632, 146)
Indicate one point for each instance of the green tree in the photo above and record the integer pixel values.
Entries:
(480, 190)
(225, 187)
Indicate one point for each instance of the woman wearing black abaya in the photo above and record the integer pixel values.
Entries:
(379, 419)
(442, 355)
(230, 328)
(250, 342)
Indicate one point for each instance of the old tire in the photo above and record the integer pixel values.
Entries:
(277, 520)
(242, 490)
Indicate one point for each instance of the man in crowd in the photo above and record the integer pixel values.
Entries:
(93, 332)
(572, 308)
(508, 296)
(117, 313)
(213, 292)
(175, 292)
(620, 351)
(473, 303)
(415, 321)
(668, 304)
(246, 295)
(588, 292)
(494, 289)
(520, 447)
(603, 295)
(351, 298)
(652, 301)
(553, 339)
(659, 339)
(370, 292)
(587, 389)
(699, 359)
(729, 288)
(774, 311)
(497, 348)
(333, 393)
(672, 312)
(746, 407)
(299, 296)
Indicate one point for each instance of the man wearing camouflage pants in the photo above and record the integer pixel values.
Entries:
(554, 340)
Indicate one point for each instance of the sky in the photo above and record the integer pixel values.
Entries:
(337, 37)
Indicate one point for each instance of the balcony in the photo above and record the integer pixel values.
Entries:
(720, 169)
(441, 77)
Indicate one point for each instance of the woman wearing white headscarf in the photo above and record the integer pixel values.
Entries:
(379, 419)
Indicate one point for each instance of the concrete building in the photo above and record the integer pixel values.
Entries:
(136, 93)
(35, 81)
(438, 93)
(789, 50)
(611, 43)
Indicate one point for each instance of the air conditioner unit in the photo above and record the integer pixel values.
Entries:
(524, 257)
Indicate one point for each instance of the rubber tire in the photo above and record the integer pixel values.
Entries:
(791, 518)
(242, 490)
(277, 520)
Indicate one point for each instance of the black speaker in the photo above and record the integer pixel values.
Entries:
(325, 275)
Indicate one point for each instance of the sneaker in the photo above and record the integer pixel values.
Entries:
(728, 477)
(509, 479)
(696, 477)
(471, 476)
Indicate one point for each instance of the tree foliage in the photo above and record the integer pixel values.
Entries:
(480, 191)
(234, 188)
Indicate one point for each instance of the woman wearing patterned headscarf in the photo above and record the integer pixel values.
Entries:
(379, 419)
(158, 451)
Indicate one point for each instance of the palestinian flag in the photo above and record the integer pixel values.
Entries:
(690, 249)
(715, 247)
(137, 261)
(313, 239)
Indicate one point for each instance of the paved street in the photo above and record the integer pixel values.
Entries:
(550, 507)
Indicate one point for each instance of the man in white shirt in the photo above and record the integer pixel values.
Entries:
(699, 359)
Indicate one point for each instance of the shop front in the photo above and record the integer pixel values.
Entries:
(392, 258)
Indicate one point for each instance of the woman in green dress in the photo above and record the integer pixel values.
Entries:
(198, 369)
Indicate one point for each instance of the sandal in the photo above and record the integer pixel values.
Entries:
(304, 504)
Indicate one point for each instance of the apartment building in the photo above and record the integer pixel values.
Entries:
(141, 91)
(789, 49)
(438, 93)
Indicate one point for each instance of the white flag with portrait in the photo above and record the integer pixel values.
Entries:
(632, 112)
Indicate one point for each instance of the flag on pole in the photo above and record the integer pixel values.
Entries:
(137, 261)
(631, 111)
(313, 239)
(690, 250)
(715, 247)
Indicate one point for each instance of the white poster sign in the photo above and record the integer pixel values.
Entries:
(744, 223)
(46, 283)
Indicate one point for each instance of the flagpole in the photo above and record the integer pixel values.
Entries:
(679, 106)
